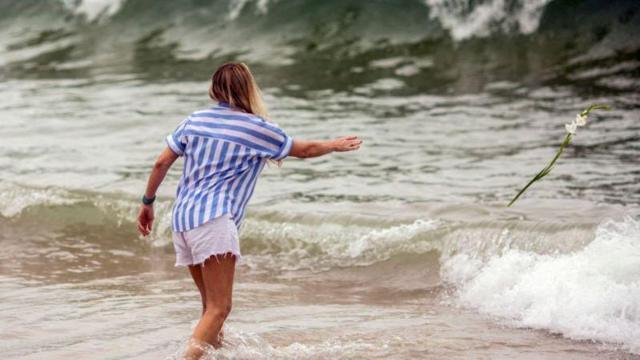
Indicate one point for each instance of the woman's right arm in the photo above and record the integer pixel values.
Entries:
(160, 169)
(308, 149)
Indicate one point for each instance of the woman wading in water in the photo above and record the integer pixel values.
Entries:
(224, 148)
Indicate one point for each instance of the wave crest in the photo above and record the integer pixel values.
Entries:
(591, 293)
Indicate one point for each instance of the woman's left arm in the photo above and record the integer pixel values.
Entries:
(160, 168)
(307, 149)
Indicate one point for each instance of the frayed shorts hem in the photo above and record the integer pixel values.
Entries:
(214, 254)
(217, 237)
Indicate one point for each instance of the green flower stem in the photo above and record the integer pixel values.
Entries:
(588, 110)
(545, 171)
(567, 140)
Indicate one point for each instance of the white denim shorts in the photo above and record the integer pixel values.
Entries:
(217, 236)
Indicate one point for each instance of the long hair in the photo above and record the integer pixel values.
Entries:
(234, 84)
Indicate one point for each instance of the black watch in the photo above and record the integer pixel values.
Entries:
(147, 201)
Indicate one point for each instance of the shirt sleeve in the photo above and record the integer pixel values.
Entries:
(280, 140)
(177, 140)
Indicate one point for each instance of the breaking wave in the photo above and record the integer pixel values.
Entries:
(580, 280)
(406, 46)
(592, 293)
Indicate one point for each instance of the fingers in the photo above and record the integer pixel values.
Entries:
(145, 220)
(149, 226)
(349, 143)
(141, 228)
(144, 226)
(351, 139)
(354, 144)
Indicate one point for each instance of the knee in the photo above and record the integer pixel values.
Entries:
(218, 310)
(226, 308)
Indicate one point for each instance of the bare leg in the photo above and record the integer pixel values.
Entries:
(217, 276)
(196, 274)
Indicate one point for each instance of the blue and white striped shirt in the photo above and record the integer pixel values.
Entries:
(225, 151)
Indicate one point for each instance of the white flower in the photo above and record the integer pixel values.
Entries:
(581, 120)
(571, 128)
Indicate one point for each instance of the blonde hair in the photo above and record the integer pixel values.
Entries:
(234, 84)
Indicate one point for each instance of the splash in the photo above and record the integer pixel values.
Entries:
(241, 345)
(589, 294)
(466, 19)
(236, 7)
(93, 10)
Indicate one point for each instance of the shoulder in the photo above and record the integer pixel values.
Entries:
(248, 118)
(265, 121)
(202, 113)
(232, 119)
(221, 113)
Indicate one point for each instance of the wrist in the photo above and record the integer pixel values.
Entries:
(148, 201)
(333, 145)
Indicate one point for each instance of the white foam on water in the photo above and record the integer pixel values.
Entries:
(240, 345)
(236, 6)
(463, 20)
(404, 66)
(14, 199)
(589, 294)
(529, 16)
(296, 246)
(393, 238)
(384, 84)
(93, 9)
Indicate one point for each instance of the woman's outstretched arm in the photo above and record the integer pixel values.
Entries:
(163, 164)
(308, 149)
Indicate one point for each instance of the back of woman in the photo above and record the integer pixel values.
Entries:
(225, 148)
(225, 151)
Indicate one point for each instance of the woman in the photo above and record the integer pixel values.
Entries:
(225, 149)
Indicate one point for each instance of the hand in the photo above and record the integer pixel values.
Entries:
(347, 143)
(145, 219)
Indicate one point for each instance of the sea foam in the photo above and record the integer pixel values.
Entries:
(94, 9)
(589, 294)
(468, 19)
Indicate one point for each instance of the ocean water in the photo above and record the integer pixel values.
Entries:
(403, 250)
